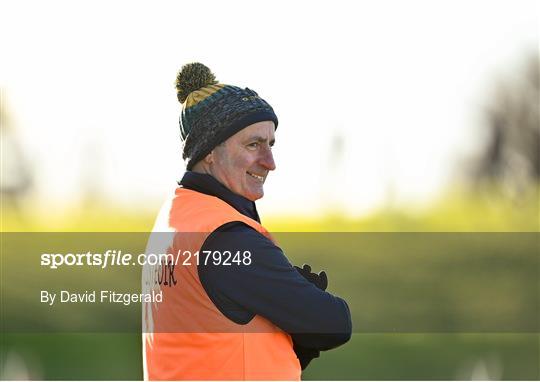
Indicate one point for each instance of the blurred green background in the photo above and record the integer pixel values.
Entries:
(382, 280)
(486, 207)
(378, 104)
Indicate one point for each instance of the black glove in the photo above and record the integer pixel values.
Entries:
(305, 355)
(319, 280)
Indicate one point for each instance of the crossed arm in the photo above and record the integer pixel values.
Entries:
(292, 298)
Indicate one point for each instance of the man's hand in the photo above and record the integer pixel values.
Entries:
(320, 280)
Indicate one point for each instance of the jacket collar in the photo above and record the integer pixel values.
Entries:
(208, 185)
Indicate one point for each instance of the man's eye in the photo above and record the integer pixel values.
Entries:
(253, 145)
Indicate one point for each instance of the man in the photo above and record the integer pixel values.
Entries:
(256, 316)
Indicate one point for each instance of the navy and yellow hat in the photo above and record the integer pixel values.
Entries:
(213, 112)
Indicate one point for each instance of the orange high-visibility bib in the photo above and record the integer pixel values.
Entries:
(186, 337)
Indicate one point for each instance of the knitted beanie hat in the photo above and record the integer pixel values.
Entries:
(213, 112)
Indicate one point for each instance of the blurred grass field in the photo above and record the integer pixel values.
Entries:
(369, 355)
(458, 211)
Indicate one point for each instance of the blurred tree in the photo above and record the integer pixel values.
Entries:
(331, 187)
(511, 155)
(15, 173)
(92, 170)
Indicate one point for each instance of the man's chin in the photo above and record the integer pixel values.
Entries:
(255, 196)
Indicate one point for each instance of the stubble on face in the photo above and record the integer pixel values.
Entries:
(243, 162)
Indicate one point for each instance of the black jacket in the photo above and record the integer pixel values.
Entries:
(270, 286)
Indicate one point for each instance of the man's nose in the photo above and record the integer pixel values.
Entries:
(267, 160)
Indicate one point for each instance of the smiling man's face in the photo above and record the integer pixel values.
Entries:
(243, 161)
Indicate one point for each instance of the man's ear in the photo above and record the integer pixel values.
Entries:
(209, 159)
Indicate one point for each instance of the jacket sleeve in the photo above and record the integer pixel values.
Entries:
(270, 287)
